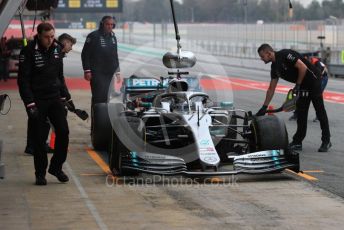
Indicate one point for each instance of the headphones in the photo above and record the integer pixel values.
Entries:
(101, 23)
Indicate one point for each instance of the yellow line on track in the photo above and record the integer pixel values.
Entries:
(99, 161)
(313, 171)
(216, 180)
(92, 174)
(303, 175)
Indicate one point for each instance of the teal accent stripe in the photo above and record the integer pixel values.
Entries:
(133, 155)
(275, 155)
(134, 158)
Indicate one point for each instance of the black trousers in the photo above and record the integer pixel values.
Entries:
(315, 96)
(55, 111)
(31, 132)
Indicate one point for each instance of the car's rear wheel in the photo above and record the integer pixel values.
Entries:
(101, 126)
(268, 133)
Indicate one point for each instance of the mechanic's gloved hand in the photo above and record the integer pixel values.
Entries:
(262, 111)
(296, 89)
(82, 114)
(32, 111)
(70, 105)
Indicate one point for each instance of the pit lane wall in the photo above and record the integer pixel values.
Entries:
(239, 42)
(149, 47)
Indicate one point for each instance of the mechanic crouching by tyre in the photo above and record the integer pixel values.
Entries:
(293, 67)
(100, 60)
(42, 87)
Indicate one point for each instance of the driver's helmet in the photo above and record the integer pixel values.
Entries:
(180, 104)
(178, 85)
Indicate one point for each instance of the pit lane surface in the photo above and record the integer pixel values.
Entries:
(94, 200)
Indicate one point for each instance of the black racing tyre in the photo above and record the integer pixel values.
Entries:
(268, 133)
(120, 147)
(103, 113)
(115, 110)
(101, 127)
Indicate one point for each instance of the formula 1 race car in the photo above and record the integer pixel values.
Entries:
(184, 132)
(169, 126)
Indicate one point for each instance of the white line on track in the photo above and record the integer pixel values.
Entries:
(86, 199)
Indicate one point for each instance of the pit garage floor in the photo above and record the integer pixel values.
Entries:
(95, 200)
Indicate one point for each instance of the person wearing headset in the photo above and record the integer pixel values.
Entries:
(100, 60)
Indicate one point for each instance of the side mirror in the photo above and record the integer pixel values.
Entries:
(186, 59)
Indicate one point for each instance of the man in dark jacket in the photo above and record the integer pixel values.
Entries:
(100, 59)
(293, 67)
(66, 42)
(44, 93)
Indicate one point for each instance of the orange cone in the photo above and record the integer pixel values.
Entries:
(270, 107)
(52, 140)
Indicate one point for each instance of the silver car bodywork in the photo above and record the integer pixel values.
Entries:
(181, 133)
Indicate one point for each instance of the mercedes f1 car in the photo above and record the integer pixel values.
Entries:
(180, 131)
(169, 126)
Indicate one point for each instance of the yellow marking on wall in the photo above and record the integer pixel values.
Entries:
(74, 3)
(111, 3)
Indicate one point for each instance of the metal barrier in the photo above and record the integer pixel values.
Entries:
(237, 41)
(336, 70)
(241, 40)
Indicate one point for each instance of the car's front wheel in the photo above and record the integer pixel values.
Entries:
(268, 133)
(125, 138)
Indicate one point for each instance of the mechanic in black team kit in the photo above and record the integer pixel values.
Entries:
(293, 67)
(100, 59)
(66, 42)
(43, 90)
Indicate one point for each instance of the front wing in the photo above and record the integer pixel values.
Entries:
(270, 161)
